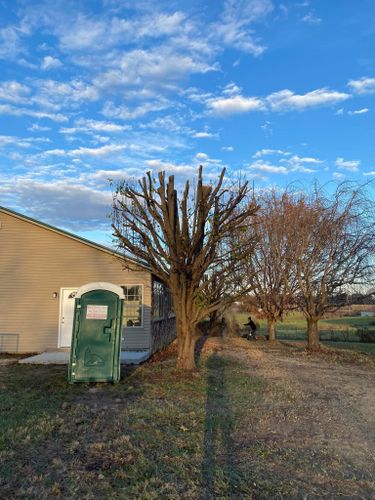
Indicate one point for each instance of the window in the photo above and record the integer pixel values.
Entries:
(158, 300)
(162, 306)
(132, 316)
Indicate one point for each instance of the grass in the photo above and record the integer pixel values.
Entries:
(296, 321)
(364, 347)
(341, 332)
(156, 434)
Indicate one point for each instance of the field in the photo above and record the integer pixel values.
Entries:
(253, 422)
(340, 332)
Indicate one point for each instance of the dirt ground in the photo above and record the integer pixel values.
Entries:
(322, 427)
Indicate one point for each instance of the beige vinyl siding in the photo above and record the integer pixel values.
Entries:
(34, 263)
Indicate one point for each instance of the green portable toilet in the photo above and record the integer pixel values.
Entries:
(96, 339)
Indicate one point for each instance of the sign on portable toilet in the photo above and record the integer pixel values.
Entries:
(96, 340)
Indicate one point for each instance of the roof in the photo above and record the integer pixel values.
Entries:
(72, 236)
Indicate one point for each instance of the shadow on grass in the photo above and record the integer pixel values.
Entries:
(199, 348)
(219, 471)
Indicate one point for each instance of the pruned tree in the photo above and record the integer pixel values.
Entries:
(269, 268)
(333, 249)
(189, 242)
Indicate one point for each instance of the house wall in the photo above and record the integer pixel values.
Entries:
(34, 263)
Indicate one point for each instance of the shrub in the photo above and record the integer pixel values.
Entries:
(366, 335)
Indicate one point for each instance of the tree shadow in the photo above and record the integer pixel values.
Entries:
(199, 348)
(219, 472)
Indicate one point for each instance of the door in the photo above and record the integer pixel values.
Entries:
(95, 352)
(67, 298)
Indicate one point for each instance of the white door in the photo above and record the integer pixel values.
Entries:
(67, 297)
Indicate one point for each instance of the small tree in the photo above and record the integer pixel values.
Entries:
(269, 267)
(333, 249)
(189, 243)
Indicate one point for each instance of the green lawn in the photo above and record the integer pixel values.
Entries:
(296, 321)
(367, 348)
(335, 332)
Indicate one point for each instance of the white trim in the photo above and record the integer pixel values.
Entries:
(100, 285)
(73, 289)
(142, 306)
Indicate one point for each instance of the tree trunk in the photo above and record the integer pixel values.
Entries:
(312, 334)
(186, 339)
(271, 326)
(187, 329)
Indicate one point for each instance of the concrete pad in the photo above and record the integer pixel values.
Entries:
(47, 358)
(62, 358)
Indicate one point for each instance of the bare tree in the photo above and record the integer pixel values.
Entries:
(269, 267)
(333, 249)
(189, 243)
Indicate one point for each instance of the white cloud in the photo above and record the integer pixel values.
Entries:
(234, 27)
(55, 152)
(285, 164)
(305, 159)
(227, 148)
(108, 149)
(54, 94)
(14, 92)
(111, 110)
(262, 166)
(35, 127)
(6, 109)
(115, 175)
(285, 100)
(161, 67)
(223, 106)
(101, 151)
(363, 86)
(359, 111)
(11, 41)
(62, 203)
(265, 152)
(157, 164)
(50, 62)
(103, 33)
(371, 173)
(94, 126)
(201, 156)
(101, 126)
(352, 165)
(203, 135)
(338, 175)
(231, 89)
(6, 140)
(298, 164)
(311, 18)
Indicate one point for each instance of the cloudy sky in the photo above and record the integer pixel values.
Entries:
(90, 90)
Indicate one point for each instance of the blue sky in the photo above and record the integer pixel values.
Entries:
(91, 90)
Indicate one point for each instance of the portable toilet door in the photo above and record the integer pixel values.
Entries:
(96, 340)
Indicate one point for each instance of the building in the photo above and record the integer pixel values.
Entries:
(41, 268)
